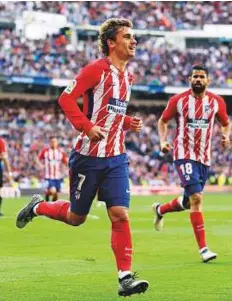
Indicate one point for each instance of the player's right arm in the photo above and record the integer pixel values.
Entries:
(88, 78)
(167, 115)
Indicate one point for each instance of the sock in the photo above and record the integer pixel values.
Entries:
(122, 245)
(57, 210)
(198, 228)
(174, 205)
(47, 197)
(122, 274)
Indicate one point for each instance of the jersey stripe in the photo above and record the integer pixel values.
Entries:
(192, 110)
(198, 132)
(179, 143)
(214, 109)
(186, 132)
(98, 98)
(202, 138)
(112, 119)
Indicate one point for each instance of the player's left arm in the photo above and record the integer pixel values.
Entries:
(223, 118)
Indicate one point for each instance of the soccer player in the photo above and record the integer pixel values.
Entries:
(195, 111)
(53, 158)
(98, 162)
(4, 159)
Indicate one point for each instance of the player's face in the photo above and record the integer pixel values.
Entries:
(124, 44)
(199, 81)
(53, 143)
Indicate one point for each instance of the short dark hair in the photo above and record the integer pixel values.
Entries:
(53, 137)
(108, 31)
(199, 68)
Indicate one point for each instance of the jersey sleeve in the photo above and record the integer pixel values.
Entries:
(126, 123)
(41, 155)
(85, 80)
(64, 158)
(222, 115)
(2, 146)
(170, 110)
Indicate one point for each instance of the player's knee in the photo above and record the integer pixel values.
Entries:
(52, 190)
(196, 199)
(118, 214)
(77, 220)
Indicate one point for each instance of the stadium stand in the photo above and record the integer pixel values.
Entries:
(171, 15)
(164, 65)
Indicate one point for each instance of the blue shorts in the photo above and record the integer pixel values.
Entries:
(50, 183)
(193, 175)
(107, 177)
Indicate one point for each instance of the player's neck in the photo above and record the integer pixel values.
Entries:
(117, 63)
(198, 95)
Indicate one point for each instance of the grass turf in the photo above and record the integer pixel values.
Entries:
(52, 261)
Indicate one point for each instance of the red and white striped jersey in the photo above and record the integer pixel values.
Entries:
(195, 118)
(53, 160)
(106, 92)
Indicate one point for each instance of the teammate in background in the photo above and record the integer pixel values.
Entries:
(195, 111)
(3, 158)
(53, 158)
(98, 162)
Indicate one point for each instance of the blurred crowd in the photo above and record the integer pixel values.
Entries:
(46, 58)
(27, 130)
(160, 15)
(163, 65)
(156, 63)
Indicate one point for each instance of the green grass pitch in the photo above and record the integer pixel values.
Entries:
(51, 261)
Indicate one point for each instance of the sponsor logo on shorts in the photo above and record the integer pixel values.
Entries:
(77, 195)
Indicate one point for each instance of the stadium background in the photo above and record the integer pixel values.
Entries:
(42, 46)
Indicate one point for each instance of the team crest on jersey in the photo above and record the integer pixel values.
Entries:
(207, 108)
(70, 87)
